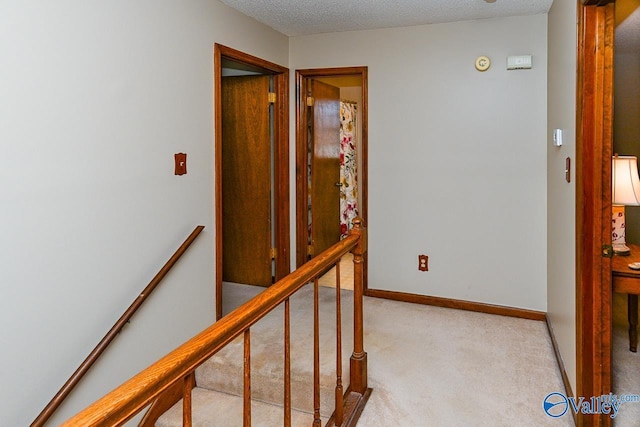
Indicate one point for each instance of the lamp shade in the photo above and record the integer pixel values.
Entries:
(625, 181)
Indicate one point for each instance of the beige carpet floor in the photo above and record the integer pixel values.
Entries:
(431, 366)
(625, 365)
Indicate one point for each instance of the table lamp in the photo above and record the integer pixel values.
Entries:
(626, 192)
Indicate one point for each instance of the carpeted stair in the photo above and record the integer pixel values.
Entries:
(217, 401)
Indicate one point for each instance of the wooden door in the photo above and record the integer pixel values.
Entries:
(246, 180)
(325, 166)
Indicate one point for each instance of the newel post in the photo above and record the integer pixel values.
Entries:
(359, 357)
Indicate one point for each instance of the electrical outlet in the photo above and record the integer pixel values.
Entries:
(423, 263)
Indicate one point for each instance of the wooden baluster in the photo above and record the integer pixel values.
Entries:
(287, 364)
(316, 357)
(186, 401)
(339, 391)
(247, 379)
(358, 365)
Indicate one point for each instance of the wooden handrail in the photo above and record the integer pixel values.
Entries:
(128, 399)
(113, 332)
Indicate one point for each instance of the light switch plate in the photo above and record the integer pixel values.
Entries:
(181, 163)
(423, 263)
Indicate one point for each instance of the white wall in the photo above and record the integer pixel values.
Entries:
(95, 98)
(561, 196)
(457, 158)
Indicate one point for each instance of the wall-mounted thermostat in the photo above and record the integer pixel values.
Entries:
(483, 63)
(519, 62)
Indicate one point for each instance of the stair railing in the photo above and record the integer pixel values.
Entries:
(95, 354)
(175, 370)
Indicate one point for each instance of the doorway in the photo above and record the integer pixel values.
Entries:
(625, 363)
(326, 100)
(251, 170)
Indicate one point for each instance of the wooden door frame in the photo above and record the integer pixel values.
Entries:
(281, 160)
(594, 128)
(302, 176)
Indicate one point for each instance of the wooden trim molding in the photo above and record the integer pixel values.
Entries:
(596, 2)
(457, 304)
(594, 125)
(302, 174)
(556, 350)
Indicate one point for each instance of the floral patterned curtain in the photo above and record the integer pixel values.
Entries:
(348, 189)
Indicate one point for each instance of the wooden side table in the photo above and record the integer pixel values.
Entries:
(627, 281)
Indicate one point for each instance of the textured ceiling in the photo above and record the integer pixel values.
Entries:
(303, 17)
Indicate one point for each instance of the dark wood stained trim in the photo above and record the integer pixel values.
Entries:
(281, 161)
(556, 350)
(217, 108)
(248, 59)
(302, 223)
(594, 124)
(282, 174)
(457, 304)
(354, 404)
(596, 2)
(302, 175)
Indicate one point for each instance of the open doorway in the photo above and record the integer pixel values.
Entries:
(331, 156)
(625, 363)
(251, 170)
